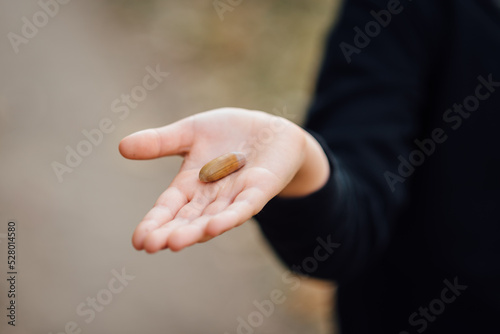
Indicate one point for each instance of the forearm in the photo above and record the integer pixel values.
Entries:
(364, 116)
(343, 218)
(331, 216)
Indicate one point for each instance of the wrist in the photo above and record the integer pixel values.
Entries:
(313, 172)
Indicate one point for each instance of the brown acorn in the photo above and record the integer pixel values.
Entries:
(222, 166)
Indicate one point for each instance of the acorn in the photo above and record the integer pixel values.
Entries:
(222, 166)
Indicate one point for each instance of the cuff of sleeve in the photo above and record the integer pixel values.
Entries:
(321, 203)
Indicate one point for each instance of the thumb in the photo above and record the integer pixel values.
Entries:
(173, 139)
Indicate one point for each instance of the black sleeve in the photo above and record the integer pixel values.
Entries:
(366, 112)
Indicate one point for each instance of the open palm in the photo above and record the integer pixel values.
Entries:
(190, 211)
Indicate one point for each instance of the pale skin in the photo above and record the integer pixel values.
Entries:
(283, 159)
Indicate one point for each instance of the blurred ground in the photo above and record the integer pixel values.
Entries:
(72, 234)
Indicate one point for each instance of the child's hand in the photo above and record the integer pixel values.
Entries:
(191, 211)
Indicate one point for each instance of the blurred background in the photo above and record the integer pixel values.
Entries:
(63, 66)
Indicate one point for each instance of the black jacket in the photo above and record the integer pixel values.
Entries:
(407, 108)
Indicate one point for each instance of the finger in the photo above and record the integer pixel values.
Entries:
(173, 139)
(188, 235)
(216, 207)
(159, 238)
(196, 206)
(247, 204)
(164, 210)
(194, 232)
